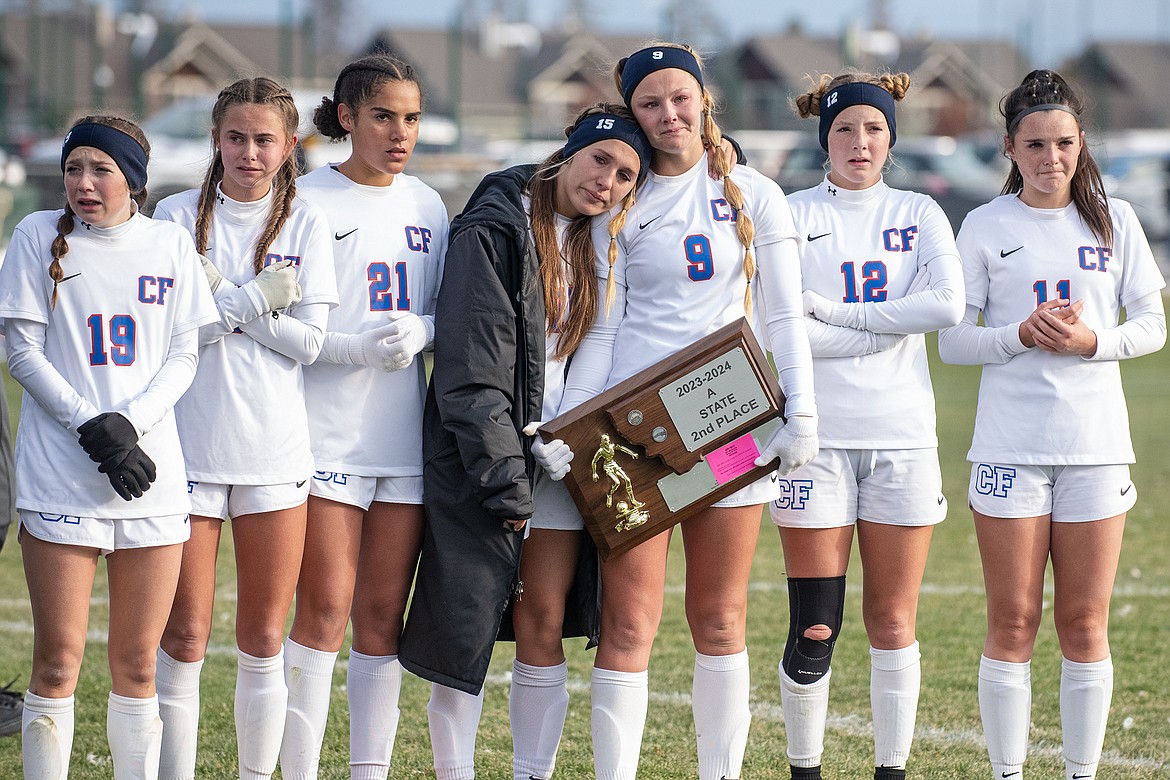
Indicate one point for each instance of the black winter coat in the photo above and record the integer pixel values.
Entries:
(486, 385)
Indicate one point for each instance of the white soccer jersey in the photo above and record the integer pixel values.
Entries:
(870, 246)
(1039, 407)
(243, 422)
(681, 263)
(388, 249)
(126, 291)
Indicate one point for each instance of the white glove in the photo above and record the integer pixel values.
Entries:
(820, 307)
(371, 349)
(842, 315)
(410, 335)
(278, 284)
(214, 277)
(795, 443)
(554, 457)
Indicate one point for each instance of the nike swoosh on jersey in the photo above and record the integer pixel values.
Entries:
(302, 482)
(811, 237)
(1010, 251)
(71, 276)
(1124, 490)
(644, 225)
(339, 236)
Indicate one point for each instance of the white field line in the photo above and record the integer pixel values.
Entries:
(849, 725)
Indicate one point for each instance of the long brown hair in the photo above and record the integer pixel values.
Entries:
(65, 223)
(572, 318)
(713, 141)
(261, 91)
(1047, 87)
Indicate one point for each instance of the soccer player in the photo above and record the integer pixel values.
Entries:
(244, 427)
(1050, 264)
(365, 397)
(101, 308)
(518, 294)
(694, 255)
(880, 269)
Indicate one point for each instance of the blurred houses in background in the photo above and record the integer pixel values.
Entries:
(499, 90)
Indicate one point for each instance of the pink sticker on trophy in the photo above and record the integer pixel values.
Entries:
(733, 459)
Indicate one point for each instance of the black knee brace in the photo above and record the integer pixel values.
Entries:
(812, 601)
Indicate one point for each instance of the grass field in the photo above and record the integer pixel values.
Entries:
(948, 743)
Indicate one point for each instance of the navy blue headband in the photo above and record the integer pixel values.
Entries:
(642, 63)
(599, 127)
(127, 153)
(856, 93)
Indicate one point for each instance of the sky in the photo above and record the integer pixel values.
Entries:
(1046, 30)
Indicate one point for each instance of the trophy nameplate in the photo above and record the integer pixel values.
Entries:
(671, 440)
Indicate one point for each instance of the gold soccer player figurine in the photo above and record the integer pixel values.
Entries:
(629, 514)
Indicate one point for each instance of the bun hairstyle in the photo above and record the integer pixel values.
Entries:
(66, 222)
(673, 55)
(1046, 90)
(572, 321)
(356, 85)
(261, 91)
(809, 104)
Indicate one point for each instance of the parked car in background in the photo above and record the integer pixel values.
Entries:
(1135, 166)
(942, 167)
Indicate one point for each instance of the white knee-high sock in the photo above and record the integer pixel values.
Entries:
(134, 731)
(46, 737)
(895, 677)
(177, 684)
(537, 706)
(719, 703)
(1005, 705)
(1085, 694)
(308, 675)
(620, 700)
(261, 701)
(453, 719)
(806, 708)
(374, 683)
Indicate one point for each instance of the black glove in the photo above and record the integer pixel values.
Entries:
(107, 439)
(132, 477)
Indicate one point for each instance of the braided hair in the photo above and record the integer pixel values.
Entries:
(260, 91)
(713, 141)
(65, 223)
(356, 85)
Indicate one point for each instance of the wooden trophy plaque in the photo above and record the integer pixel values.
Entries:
(672, 440)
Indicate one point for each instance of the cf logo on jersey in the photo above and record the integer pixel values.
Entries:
(418, 239)
(900, 239)
(1103, 254)
(794, 493)
(994, 480)
(152, 289)
(722, 211)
